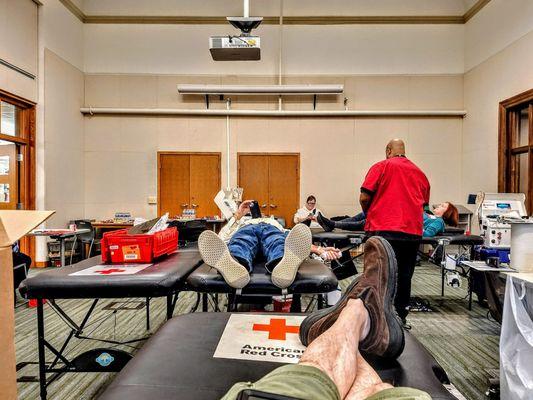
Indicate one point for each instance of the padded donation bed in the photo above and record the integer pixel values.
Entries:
(178, 363)
(87, 280)
(313, 277)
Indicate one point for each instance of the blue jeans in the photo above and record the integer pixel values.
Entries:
(260, 239)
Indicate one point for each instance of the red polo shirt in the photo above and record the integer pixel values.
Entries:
(399, 192)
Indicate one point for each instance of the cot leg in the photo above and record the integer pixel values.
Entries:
(204, 302)
(62, 251)
(169, 307)
(148, 313)
(320, 302)
(296, 306)
(40, 345)
(442, 273)
(470, 282)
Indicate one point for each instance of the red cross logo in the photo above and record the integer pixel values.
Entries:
(110, 271)
(277, 329)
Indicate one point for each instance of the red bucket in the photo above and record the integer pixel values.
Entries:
(282, 303)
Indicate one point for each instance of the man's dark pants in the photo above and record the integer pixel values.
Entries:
(405, 248)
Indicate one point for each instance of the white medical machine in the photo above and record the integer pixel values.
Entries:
(496, 212)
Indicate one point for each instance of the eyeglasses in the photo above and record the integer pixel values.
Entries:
(311, 203)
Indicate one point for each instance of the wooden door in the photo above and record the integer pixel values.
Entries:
(273, 180)
(173, 183)
(8, 177)
(205, 183)
(284, 186)
(253, 178)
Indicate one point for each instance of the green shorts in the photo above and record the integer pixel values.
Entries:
(310, 383)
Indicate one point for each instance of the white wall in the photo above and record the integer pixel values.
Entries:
(352, 49)
(120, 151)
(18, 46)
(61, 32)
(59, 124)
(63, 141)
(495, 27)
(504, 75)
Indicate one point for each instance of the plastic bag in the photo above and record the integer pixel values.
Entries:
(516, 346)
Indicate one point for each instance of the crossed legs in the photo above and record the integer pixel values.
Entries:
(336, 353)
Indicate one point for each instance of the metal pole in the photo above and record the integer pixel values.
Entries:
(40, 345)
(228, 144)
(280, 50)
(246, 8)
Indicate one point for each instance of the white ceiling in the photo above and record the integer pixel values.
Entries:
(272, 7)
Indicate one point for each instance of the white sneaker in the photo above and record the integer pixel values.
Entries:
(297, 249)
(216, 254)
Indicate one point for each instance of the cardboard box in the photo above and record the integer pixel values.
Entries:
(13, 226)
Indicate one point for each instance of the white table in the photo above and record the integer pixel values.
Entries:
(480, 266)
(61, 235)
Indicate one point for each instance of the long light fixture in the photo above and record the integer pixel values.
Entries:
(260, 90)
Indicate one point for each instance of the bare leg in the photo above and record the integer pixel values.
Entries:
(335, 351)
(367, 382)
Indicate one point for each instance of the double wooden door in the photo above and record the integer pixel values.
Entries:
(273, 180)
(188, 181)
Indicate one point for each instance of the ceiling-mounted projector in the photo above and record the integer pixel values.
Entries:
(243, 47)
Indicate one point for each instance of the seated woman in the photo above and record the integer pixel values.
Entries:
(243, 239)
(434, 221)
(307, 214)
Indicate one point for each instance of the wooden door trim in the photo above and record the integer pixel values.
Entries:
(508, 124)
(183, 153)
(189, 153)
(27, 186)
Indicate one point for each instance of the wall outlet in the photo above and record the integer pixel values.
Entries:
(152, 199)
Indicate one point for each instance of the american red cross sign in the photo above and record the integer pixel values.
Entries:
(110, 271)
(261, 337)
(277, 329)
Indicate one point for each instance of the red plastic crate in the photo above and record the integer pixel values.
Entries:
(119, 247)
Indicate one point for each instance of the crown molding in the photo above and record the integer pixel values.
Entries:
(73, 8)
(287, 20)
(474, 10)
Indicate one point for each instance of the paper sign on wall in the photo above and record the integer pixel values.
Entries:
(272, 338)
(115, 269)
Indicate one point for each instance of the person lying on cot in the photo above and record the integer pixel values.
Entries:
(233, 251)
(434, 221)
(363, 322)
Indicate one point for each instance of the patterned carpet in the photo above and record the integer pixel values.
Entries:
(464, 342)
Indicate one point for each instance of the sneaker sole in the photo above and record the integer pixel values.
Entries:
(215, 253)
(297, 249)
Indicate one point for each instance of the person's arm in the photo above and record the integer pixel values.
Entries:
(235, 222)
(327, 253)
(365, 200)
(370, 185)
(433, 227)
(300, 217)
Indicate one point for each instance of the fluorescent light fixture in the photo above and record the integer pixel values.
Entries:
(260, 90)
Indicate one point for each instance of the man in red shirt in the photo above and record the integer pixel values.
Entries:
(393, 196)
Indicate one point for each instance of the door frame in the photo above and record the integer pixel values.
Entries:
(508, 123)
(271, 154)
(27, 174)
(183, 153)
